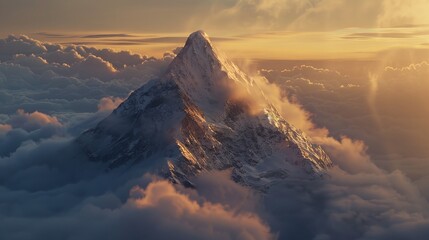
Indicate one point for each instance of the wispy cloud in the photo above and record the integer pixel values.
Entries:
(108, 35)
(53, 35)
(102, 43)
(367, 35)
(121, 39)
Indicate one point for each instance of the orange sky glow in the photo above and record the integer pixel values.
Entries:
(269, 29)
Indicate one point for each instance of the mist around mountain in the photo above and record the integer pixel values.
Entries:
(50, 189)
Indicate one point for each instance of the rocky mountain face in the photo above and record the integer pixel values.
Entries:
(188, 122)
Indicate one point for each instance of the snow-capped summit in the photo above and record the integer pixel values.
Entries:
(203, 74)
(199, 36)
(188, 122)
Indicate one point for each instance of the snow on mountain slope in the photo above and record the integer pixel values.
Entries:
(188, 122)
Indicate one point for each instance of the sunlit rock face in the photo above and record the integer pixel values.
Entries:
(191, 121)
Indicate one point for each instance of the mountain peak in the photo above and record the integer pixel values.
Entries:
(188, 122)
(200, 72)
(198, 37)
(198, 47)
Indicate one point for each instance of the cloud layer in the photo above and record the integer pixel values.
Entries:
(54, 78)
(158, 211)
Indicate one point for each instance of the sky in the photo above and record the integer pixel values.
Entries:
(353, 75)
(262, 29)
